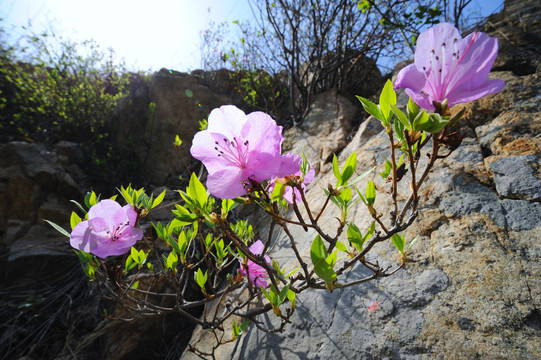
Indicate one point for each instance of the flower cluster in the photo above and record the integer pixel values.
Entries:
(108, 231)
(237, 148)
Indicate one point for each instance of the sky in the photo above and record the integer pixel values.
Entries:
(147, 35)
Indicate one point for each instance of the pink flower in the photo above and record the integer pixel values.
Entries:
(449, 67)
(108, 231)
(256, 273)
(289, 168)
(236, 147)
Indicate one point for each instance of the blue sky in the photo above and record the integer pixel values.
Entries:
(147, 37)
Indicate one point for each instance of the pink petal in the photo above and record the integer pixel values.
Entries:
(416, 86)
(475, 65)
(489, 87)
(131, 214)
(105, 209)
(431, 40)
(80, 237)
(227, 120)
(203, 150)
(257, 247)
(227, 183)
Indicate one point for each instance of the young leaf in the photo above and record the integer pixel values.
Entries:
(370, 193)
(398, 242)
(74, 220)
(197, 191)
(336, 170)
(349, 168)
(278, 192)
(386, 99)
(172, 261)
(158, 200)
(340, 246)
(58, 228)
(401, 117)
(371, 108)
(201, 279)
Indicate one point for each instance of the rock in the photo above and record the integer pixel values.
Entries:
(517, 177)
(325, 130)
(176, 104)
(36, 184)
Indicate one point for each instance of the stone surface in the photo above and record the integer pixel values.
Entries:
(173, 104)
(325, 130)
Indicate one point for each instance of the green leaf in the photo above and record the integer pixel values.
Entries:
(340, 246)
(200, 278)
(421, 121)
(305, 165)
(283, 293)
(371, 108)
(158, 200)
(318, 250)
(355, 236)
(177, 142)
(270, 295)
(386, 99)
(58, 228)
(401, 117)
(336, 170)
(349, 168)
(172, 261)
(197, 191)
(79, 206)
(360, 177)
(435, 124)
(370, 193)
(323, 264)
(74, 220)
(345, 196)
(411, 244)
(398, 242)
(412, 109)
(278, 192)
(228, 205)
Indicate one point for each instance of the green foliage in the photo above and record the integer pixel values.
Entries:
(53, 89)
(323, 262)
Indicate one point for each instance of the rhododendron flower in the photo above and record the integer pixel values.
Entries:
(108, 231)
(290, 168)
(236, 147)
(256, 273)
(449, 67)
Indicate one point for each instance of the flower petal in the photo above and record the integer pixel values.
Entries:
(106, 210)
(80, 238)
(415, 85)
(227, 120)
(430, 41)
(474, 67)
(489, 87)
(227, 183)
(257, 247)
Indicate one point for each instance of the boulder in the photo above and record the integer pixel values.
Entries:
(36, 185)
(326, 129)
(148, 121)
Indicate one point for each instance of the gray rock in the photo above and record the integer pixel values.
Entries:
(517, 177)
